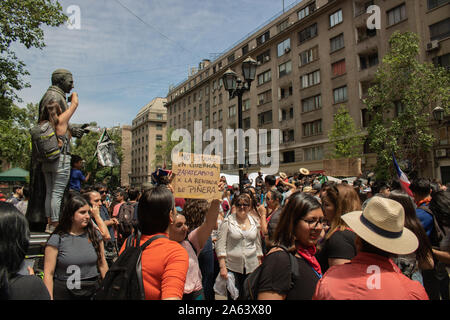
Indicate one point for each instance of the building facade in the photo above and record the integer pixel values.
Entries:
(125, 165)
(147, 132)
(311, 59)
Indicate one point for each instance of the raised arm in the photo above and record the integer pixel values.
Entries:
(64, 118)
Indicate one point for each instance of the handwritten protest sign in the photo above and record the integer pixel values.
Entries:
(196, 176)
(347, 167)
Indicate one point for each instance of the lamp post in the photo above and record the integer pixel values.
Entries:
(236, 88)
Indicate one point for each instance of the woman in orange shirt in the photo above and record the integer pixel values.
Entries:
(164, 262)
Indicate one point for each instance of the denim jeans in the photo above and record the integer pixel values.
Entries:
(56, 177)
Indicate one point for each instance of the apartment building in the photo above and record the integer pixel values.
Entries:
(312, 58)
(125, 165)
(147, 131)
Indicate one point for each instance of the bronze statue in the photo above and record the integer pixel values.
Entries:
(62, 84)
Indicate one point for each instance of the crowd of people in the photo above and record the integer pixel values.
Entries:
(348, 241)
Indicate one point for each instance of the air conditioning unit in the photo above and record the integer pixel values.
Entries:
(267, 58)
(286, 50)
(441, 153)
(258, 63)
(433, 45)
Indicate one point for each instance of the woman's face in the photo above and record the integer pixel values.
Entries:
(328, 208)
(178, 230)
(81, 217)
(243, 206)
(309, 228)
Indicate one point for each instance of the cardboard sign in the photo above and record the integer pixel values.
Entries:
(347, 167)
(196, 176)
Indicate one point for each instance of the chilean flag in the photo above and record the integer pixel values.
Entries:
(404, 182)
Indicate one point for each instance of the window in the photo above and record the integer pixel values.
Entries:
(308, 56)
(265, 117)
(159, 137)
(440, 30)
(246, 105)
(264, 97)
(159, 126)
(263, 57)
(307, 33)
(220, 115)
(310, 79)
(306, 11)
(399, 108)
(245, 49)
(312, 103)
(284, 47)
(285, 92)
(159, 116)
(263, 38)
(231, 111)
(283, 25)
(230, 58)
(443, 61)
(436, 3)
(312, 128)
(264, 77)
(246, 123)
(336, 18)
(337, 42)
(289, 156)
(396, 15)
(340, 94)
(338, 68)
(313, 153)
(214, 117)
(368, 61)
(284, 69)
(286, 114)
(366, 117)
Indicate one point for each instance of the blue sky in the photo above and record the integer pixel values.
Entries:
(120, 62)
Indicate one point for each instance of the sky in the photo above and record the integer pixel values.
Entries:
(127, 52)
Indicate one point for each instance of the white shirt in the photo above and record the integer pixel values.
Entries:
(241, 249)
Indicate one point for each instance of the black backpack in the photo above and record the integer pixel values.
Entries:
(44, 142)
(125, 218)
(123, 281)
(438, 233)
(251, 285)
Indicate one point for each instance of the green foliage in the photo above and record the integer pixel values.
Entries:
(86, 147)
(402, 80)
(163, 152)
(346, 138)
(15, 146)
(21, 21)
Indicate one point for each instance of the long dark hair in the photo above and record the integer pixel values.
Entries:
(194, 211)
(50, 113)
(440, 206)
(14, 242)
(75, 202)
(413, 223)
(154, 210)
(298, 205)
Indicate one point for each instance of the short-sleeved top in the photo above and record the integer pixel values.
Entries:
(194, 275)
(273, 222)
(74, 251)
(341, 245)
(27, 288)
(76, 176)
(276, 277)
(105, 217)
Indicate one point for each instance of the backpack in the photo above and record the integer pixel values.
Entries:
(124, 281)
(437, 234)
(44, 142)
(125, 218)
(251, 284)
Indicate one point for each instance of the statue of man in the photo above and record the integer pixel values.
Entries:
(62, 84)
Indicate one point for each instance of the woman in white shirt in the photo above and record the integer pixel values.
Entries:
(238, 246)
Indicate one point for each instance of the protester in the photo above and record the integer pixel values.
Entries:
(16, 196)
(238, 247)
(76, 175)
(164, 262)
(75, 247)
(22, 205)
(371, 274)
(192, 230)
(422, 259)
(57, 173)
(339, 243)
(120, 198)
(299, 229)
(17, 282)
(259, 185)
(271, 216)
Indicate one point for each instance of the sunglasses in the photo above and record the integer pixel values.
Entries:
(102, 191)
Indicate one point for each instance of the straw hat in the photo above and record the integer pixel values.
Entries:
(307, 189)
(304, 171)
(283, 175)
(382, 225)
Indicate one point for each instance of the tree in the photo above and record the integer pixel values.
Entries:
(400, 101)
(15, 146)
(346, 138)
(86, 147)
(22, 21)
(163, 152)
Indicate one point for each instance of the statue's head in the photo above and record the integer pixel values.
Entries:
(63, 79)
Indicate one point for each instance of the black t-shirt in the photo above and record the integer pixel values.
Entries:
(276, 276)
(341, 245)
(27, 288)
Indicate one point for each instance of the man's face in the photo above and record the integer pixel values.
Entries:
(96, 199)
(102, 194)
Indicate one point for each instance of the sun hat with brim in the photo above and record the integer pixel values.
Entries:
(304, 171)
(381, 224)
(283, 175)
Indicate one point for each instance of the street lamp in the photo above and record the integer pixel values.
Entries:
(236, 88)
(438, 114)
